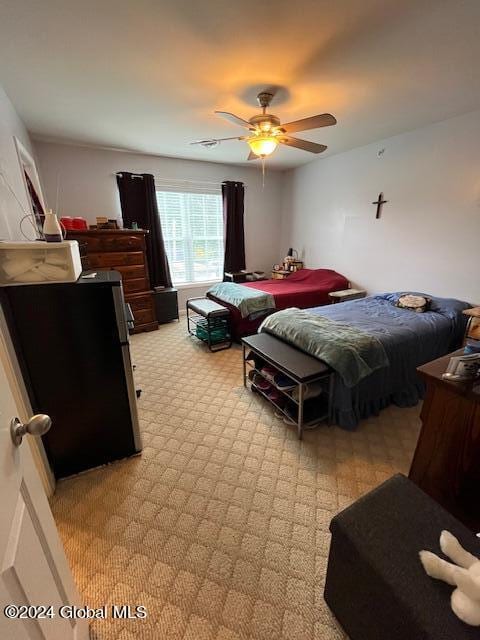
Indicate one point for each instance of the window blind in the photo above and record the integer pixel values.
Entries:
(192, 226)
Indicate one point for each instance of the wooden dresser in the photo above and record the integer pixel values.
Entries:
(123, 250)
(446, 464)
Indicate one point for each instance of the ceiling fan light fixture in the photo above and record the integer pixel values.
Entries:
(266, 131)
(262, 145)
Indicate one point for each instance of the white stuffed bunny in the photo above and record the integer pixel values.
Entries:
(464, 575)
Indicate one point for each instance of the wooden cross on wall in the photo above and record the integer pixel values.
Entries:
(380, 202)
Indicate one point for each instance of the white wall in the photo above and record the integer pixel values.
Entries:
(88, 188)
(10, 215)
(427, 238)
(10, 211)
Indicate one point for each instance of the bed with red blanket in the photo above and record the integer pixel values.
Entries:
(303, 289)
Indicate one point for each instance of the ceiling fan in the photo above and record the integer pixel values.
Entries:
(266, 131)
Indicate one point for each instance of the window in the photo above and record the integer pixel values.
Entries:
(192, 226)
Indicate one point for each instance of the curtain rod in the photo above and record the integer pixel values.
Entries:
(134, 175)
(183, 180)
(187, 181)
(170, 180)
(200, 183)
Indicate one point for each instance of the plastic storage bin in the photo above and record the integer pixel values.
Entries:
(218, 330)
(39, 262)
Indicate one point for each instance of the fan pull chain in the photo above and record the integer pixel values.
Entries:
(263, 172)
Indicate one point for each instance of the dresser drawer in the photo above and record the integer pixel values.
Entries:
(116, 259)
(123, 243)
(143, 316)
(111, 243)
(143, 310)
(135, 284)
(129, 273)
(139, 301)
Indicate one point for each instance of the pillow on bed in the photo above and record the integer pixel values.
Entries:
(448, 307)
(416, 303)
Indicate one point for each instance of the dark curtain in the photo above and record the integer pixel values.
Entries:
(139, 204)
(233, 194)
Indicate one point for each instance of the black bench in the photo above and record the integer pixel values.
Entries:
(297, 365)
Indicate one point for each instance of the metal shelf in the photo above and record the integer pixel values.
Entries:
(325, 377)
(209, 322)
(306, 424)
(287, 392)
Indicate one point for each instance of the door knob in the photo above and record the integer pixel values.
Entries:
(36, 426)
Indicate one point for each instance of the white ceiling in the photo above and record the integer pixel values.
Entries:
(146, 75)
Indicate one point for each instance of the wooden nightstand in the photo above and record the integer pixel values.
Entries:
(472, 330)
(346, 294)
(166, 304)
(281, 274)
(451, 429)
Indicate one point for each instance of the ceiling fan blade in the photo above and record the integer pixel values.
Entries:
(306, 145)
(314, 122)
(252, 156)
(231, 117)
(211, 142)
(206, 142)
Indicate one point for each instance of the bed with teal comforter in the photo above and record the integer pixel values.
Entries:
(408, 339)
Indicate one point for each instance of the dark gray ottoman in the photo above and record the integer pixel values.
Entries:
(376, 585)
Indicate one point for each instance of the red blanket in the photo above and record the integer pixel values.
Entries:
(305, 288)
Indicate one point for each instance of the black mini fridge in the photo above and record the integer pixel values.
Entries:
(71, 341)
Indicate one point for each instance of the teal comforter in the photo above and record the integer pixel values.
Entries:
(352, 353)
(249, 302)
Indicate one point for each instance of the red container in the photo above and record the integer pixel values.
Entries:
(67, 222)
(79, 223)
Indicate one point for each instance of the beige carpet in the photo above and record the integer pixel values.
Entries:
(220, 528)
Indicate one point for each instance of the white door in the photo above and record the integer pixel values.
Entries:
(33, 568)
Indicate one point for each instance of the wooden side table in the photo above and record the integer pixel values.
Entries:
(166, 304)
(446, 463)
(346, 294)
(280, 274)
(472, 330)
